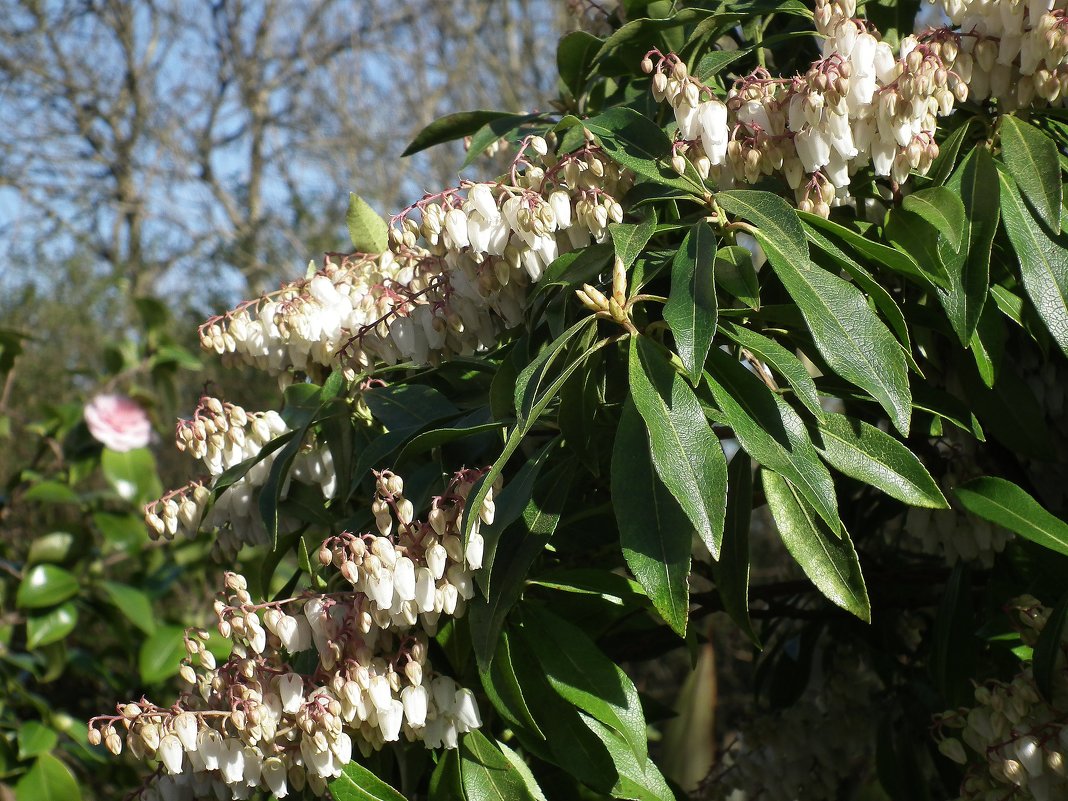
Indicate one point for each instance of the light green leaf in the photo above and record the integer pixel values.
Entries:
(357, 783)
(51, 492)
(161, 654)
(629, 239)
(581, 673)
(521, 767)
(51, 626)
(691, 310)
(867, 454)
(942, 208)
(45, 585)
(132, 474)
(735, 273)
(1004, 503)
(640, 780)
(133, 603)
(855, 343)
(831, 562)
(1031, 158)
(687, 454)
(47, 780)
(486, 774)
(1043, 261)
(35, 738)
(771, 432)
(367, 230)
(654, 532)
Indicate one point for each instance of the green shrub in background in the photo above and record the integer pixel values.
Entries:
(767, 318)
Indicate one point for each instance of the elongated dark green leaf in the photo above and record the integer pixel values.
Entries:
(357, 783)
(580, 672)
(731, 571)
(686, 452)
(509, 128)
(445, 780)
(1031, 158)
(889, 257)
(486, 773)
(503, 688)
(691, 308)
(523, 769)
(855, 343)
(714, 61)
(574, 56)
(1004, 503)
(1048, 648)
(771, 432)
(654, 532)
(408, 406)
(969, 269)
(867, 454)
(955, 646)
(779, 359)
(734, 272)
(1043, 261)
(452, 126)
(45, 585)
(637, 143)
(831, 562)
(629, 239)
(942, 208)
(948, 152)
(48, 779)
(537, 375)
(367, 230)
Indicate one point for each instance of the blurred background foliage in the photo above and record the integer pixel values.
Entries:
(160, 159)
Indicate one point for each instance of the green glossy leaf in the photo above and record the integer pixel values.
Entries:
(47, 780)
(943, 165)
(132, 474)
(685, 451)
(35, 738)
(486, 774)
(508, 128)
(580, 672)
(367, 230)
(1048, 650)
(867, 454)
(731, 572)
(357, 783)
(161, 654)
(445, 780)
(779, 359)
(630, 239)
(976, 182)
(735, 273)
(771, 432)
(715, 61)
(408, 406)
(829, 561)
(574, 57)
(637, 143)
(855, 343)
(51, 626)
(654, 532)
(691, 310)
(640, 780)
(55, 546)
(451, 127)
(503, 688)
(51, 492)
(530, 386)
(133, 603)
(942, 208)
(45, 585)
(888, 257)
(525, 774)
(1004, 503)
(1043, 261)
(1031, 159)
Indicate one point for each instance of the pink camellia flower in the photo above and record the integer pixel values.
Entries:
(118, 422)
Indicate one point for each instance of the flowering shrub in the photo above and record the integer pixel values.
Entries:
(832, 252)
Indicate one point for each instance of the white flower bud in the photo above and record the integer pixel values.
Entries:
(414, 701)
(171, 753)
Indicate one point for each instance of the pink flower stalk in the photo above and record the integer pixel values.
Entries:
(118, 422)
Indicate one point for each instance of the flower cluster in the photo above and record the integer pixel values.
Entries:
(777, 758)
(860, 104)
(1013, 741)
(455, 272)
(223, 435)
(256, 722)
(1013, 52)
